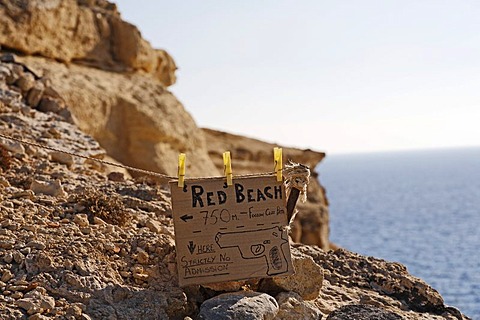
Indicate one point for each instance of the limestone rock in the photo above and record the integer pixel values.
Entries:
(362, 312)
(137, 120)
(38, 316)
(35, 94)
(7, 275)
(23, 27)
(49, 104)
(81, 220)
(307, 280)
(29, 305)
(293, 307)
(52, 188)
(116, 176)
(36, 302)
(242, 305)
(130, 48)
(166, 67)
(367, 280)
(88, 32)
(114, 173)
(36, 245)
(12, 146)
(61, 157)
(131, 303)
(26, 81)
(154, 225)
(142, 256)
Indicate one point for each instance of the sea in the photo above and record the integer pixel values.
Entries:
(419, 208)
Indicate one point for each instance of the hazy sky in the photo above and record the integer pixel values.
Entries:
(334, 76)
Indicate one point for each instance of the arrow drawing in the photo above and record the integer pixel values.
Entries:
(191, 247)
(186, 217)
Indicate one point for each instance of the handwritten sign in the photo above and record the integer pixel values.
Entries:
(225, 233)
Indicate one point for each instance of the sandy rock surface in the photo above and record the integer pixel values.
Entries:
(242, 305)
(112, 80)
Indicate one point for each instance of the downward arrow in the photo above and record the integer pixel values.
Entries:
(186, 217)
(191, 247)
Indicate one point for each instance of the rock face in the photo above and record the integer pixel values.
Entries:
(350, 278)
(306, 282)
(80, 31)
(250, 155)
(293, 307)
(242, 305)
(136, 119)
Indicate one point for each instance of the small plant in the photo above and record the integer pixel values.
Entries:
(5, 159)
(108, 207)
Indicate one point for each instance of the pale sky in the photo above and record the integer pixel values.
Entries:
(334, 76)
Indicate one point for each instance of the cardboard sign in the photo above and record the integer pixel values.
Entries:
(236, 232)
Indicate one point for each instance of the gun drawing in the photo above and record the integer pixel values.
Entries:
(269, 247)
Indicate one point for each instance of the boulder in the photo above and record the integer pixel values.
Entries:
(307, 280)
(241, 305)
(293, 307)
(52, 188)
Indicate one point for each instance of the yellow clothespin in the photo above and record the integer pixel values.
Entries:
(277, 158)
(181, 169)
(227, 165)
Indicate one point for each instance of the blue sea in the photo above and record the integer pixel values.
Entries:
(419, 208)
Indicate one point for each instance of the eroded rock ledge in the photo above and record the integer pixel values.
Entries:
(81, 31)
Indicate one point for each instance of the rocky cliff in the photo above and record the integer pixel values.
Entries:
(123, 101)
(82, 32)
(112, 80)
(79, 240)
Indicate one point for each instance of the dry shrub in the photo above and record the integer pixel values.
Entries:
(5, 159)
(108, 207)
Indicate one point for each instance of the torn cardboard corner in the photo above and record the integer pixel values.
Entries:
(225, 233)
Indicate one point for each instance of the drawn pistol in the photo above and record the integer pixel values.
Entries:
(269, 246)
